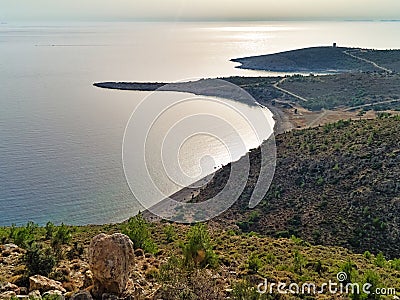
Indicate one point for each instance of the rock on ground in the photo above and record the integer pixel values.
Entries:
(82, 295)
(44, 284)
(58, 294)
(9, 287)
(35, 295)
(111, 259)
(7, 295)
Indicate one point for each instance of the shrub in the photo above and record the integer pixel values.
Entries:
(254, 263)
(198, 250)
(270, 258)
(24, 236)
(380, 260)
(178, 282)
(62, 236)
(374, 280)
(4, 234)
(318, 267)
(320, 180)
(39, 261)
(138, 230)
(367, 255)
(395, 264)
(53, 297)
(350, 269)
(245, 290)
(169, 233)
(75, 252)
(298, 262)
(296, 240)
(50, 228)
(254, 216)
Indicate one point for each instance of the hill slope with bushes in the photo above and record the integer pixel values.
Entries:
(334, 185)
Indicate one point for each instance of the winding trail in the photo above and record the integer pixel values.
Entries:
(317, 119)
(276, 85)
(370, 104)
(368, 61)
(376, 65)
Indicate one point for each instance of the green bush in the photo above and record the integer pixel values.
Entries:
(254, 263)
(367, 255)
(198, 250)
(179, 282)
(39, 261)
(170, 233)
(395, 264)
(138, 230)
(53, 297)
(350, 269)
(24, 236)
(380, 260)
(244, 290)
(75, 252)
(254, 216)
(50, 229)
(4, 234)
(373, 279)
(298, 262)
(62, 236)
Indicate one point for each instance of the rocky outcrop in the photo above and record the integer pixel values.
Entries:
(54, 294)
(82, 295)
(9, 287)
(111, 259)
(35, 295)
(44, 284)
(7, 295)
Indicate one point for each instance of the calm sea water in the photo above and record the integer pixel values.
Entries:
(61, 138)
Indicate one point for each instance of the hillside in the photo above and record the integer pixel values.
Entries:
(333, 206)
(387, 58)
(314, 59)
(334, 185)
(346, 90)
(235, 263)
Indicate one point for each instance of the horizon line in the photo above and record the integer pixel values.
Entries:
(201, 20)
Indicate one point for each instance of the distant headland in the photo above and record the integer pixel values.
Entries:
(326, 59)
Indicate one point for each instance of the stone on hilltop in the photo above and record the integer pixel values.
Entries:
(111, 259)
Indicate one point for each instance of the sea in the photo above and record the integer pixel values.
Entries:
(61, 138)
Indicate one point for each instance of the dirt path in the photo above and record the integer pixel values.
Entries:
(368, 61)
(371, 104)
(276, 85)
(314, 122)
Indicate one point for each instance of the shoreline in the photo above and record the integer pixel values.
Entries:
(288, 116)
(319, 59)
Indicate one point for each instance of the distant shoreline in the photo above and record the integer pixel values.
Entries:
(288, 113)
(323, 59)
(282, 123)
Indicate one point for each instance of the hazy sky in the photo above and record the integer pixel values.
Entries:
(197, 9)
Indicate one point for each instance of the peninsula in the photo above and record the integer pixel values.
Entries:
(330, 59)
